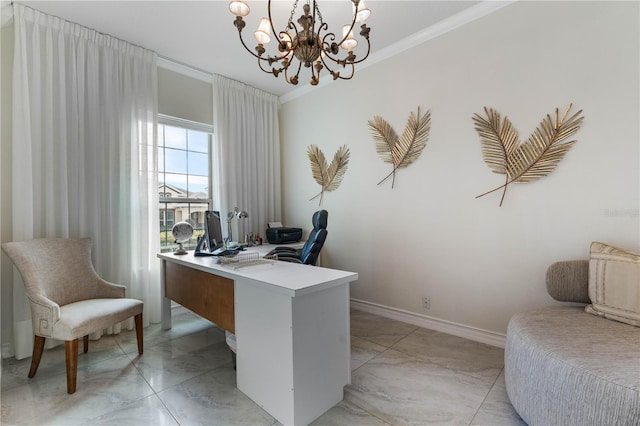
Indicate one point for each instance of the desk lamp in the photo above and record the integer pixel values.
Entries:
(235, 213)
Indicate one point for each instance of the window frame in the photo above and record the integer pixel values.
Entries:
(163, 202)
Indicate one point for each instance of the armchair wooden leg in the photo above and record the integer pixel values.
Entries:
(38, 348)
(138, 320)
(71, 357)
(85, 343)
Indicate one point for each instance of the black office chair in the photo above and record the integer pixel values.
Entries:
(309, 253)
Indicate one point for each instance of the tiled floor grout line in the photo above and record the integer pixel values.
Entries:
(486, 396)
(155, 393)
(365, 363)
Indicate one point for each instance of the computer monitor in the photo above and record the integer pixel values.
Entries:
(213, 230)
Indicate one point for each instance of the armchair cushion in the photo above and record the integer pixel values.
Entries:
(85, 317)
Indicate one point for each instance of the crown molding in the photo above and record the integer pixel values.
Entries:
(180, 68)
(459, 19)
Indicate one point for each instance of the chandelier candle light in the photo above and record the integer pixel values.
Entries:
(311, 43)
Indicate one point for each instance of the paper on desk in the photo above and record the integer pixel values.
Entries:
(275, 224)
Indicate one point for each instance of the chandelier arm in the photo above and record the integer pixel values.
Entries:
(273, 30)
(294, 28)
(315, 78)
(275, 71)
(247, 48)
(365, 56)
(295, 36)
(286, 73)
(343, 61)
(262, 58)
(336, 75)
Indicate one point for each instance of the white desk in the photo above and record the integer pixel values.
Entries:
(291, 323)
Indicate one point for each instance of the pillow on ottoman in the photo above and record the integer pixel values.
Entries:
(614, 283)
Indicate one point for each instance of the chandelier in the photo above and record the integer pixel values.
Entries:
(310, 43)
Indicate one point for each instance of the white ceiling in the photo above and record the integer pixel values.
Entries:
(201, 34)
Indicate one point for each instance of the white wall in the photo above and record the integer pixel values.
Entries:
(429, 236)
(184, 97)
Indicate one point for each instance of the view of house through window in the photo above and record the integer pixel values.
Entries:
(184, 177)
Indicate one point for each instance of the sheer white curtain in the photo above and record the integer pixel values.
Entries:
(84, 153)
(247, 143)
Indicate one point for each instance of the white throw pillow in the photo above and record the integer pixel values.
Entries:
(614, 283)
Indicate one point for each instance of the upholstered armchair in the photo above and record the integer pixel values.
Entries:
(68, 299)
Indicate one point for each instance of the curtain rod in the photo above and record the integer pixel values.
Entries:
(83, 26)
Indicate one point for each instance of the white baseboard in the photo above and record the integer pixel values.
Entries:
(460, 330)
(7, 350)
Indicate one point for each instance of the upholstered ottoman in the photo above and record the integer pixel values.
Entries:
(564, 366)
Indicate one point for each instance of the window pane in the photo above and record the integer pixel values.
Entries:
(175, 137)
(175, 160)
(198, 163)
(198, 141)
(179, 182)
(198, 186)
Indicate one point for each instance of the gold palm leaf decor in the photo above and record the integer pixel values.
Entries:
(400, 151)
(329, 176)
(524, 161)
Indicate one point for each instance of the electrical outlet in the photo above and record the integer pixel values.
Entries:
(426, 302)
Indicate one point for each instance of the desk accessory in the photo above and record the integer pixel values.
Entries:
(182, 232)
(524, 161)
(404, 150)
(236, 213)
(246, 259)
(283, 235)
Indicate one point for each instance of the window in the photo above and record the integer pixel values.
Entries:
(184, 177)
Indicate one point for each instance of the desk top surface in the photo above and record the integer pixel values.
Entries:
(285, 277)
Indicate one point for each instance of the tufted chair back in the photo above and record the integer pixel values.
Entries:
(56, 268)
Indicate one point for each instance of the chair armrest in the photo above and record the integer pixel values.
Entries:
(110, 290)
(290, 259)
(285, 250)
(44, 314)
(568, 281)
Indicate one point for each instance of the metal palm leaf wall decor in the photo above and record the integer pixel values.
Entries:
(524, 161)
(400, 151)
(329, 176)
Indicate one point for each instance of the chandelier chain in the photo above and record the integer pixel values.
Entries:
(293, 12)
(318, 12)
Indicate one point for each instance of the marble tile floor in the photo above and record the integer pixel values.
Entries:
(401, 375)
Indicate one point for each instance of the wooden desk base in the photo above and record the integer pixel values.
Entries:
(210, 296)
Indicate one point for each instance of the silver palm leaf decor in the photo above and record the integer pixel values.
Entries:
(328, 176)
(526, 161)
(400, 151)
